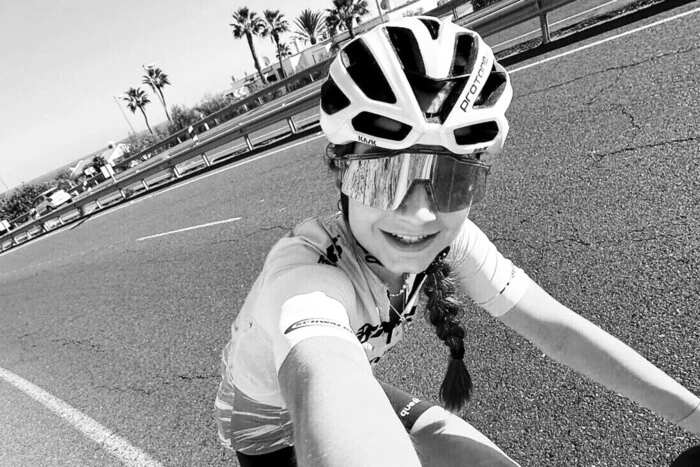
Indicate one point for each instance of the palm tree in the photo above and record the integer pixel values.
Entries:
(285, 50)
(246, 24)
(276, 25)
(136, 98)
(344, 14)
(157, 80)
(310, 26)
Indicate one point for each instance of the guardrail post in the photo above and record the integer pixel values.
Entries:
(145, 184)
(122, 192)
(60, 219)
(99, 205)
(15, 242)
(206, 160)
(175, 171)
(544, 24)
(292, 126)
(248, 142)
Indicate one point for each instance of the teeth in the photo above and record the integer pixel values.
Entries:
(409, 238)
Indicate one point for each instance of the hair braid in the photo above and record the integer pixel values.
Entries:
(444, 312)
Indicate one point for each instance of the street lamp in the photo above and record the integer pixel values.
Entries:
(125, 117)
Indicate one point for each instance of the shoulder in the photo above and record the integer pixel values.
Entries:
(306, 261)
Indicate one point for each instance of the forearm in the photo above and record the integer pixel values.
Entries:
(576, 342)
(341, 416)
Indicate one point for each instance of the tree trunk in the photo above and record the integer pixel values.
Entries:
(165, 107)
(279, 57)
(255, 58)
(146, 118)
(348, 24)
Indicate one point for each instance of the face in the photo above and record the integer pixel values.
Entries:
(409, 238)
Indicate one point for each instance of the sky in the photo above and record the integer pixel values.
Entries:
(62, 63)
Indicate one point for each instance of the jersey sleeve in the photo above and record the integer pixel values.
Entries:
(301, 299)
(490, 279)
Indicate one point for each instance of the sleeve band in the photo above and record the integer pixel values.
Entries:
(310, 315)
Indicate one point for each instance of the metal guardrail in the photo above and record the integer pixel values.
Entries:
(504, 15)
(487, 21)
(233, 109)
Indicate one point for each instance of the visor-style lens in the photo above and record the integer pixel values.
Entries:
(383, 182)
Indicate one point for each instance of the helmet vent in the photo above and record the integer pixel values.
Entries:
(332, 98)
(433, 26)
(366, 72)
(476, 134)
(492, 91)
(466, 51)
(380, 127)
(407, 49)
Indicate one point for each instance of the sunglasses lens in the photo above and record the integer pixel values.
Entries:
(373, 181)
(384, 182)
(457, 185)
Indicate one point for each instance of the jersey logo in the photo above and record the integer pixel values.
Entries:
(315, 322)
(333, 253)
(368, 330)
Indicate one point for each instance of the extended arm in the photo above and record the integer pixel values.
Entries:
(508, 293)
(340, 414)
(576, 342)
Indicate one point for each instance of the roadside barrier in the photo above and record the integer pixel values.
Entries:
(493, 19)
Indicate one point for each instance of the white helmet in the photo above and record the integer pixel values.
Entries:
(414, 82)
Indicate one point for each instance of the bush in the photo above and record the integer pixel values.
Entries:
(213, 103)
(182, 117)
(21, 200)
(137, 143)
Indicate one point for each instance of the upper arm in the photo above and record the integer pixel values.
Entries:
(322, 362)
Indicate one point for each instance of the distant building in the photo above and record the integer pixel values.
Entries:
(111, 155)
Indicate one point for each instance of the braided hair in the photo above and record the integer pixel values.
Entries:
(444, 311)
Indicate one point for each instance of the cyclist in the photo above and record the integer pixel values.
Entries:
(412, 110)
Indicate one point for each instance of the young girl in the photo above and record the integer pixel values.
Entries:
(412, 109)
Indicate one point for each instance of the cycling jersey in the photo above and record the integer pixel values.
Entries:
(321, 255)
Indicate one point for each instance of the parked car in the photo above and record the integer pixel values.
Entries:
(4, 227)
(50, 200)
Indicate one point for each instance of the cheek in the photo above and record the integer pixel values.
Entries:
(362, 219)
(453, 223)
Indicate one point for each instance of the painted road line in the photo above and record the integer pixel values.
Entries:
(603, 41)
(107, 439)
(187, 229)
(538, 31)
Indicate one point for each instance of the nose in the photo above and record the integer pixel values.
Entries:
(418, 204)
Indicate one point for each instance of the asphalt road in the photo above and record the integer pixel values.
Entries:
(596, 197)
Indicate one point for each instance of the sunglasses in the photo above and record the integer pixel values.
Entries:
(382, 180)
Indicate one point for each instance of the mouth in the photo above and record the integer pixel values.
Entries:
(409, 242)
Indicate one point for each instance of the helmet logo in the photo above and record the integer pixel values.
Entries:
(472, 90)
(364, 140)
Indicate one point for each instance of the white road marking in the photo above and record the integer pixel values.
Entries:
(108, 440)
(603, 41)
(201, 226)
(539, 31)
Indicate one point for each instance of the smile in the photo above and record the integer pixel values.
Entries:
(409, 243)
(409, 239)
